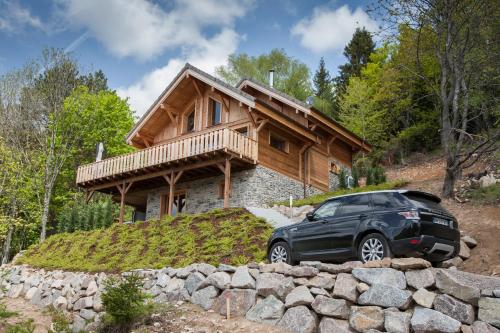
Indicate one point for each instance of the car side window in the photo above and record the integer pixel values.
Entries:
(328, 209)
(387, 200)
(355, 204)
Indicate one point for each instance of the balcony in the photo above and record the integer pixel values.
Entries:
(197, 147)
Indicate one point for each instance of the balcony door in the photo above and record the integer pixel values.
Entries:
(179, 203)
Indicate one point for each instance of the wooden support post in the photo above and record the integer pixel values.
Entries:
(123, 189)
(88, 195)
(227, 182)
(172, 180)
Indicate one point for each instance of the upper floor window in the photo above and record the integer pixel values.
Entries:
(215, 112)
(278, 142)
(190, 122)
(243, 131)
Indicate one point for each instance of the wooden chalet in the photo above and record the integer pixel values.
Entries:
(205, 144)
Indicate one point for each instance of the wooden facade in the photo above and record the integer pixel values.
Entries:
(200, 126)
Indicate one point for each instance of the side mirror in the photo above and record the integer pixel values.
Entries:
(310, 216)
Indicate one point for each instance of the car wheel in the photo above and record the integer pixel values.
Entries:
(280, 252)
(373, 247)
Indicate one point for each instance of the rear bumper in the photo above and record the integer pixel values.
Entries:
(430, 247)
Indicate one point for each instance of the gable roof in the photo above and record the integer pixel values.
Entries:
(197, 73)
(276, 94)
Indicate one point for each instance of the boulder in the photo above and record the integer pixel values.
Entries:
(385, 296)
(205, 297)
(315, 264)
(185, 271)
(427, 320)
(346, 267)
(86, 281)
(302, 271)
(98, 306)
(424, 298)
(226, 268)
(279, 267)
(396, 321)
(319, 291)
(453, 262)
(345, 287)
(299, 296)
(363, 318)
(274, 284)
(221, 280)
(469, 241)
(496, 293)
(15, 291)
(449, 283)
(175, 284)
(489, 310)
(193, 281)
(242, 279)
(87, 314)
(330, 325)
(299, 319)
(331, 307)
(83, 303)
(454, 308)
(57, 284)
(405, 264)
(464, 252)
(319, 281)
(384, 263)
(60, 303)
(362, 287)
(205, 269)
(482, 327)
(79, 324)
(240, 301)
(268, 310)
(163, 280)
(487, 180)
(386, 276)
(422, 278)
(31, 293)
(92, 288)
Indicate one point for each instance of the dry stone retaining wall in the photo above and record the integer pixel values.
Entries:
(398, 295)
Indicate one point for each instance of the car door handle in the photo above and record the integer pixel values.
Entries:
(363, 216)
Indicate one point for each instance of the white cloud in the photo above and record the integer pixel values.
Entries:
(207, 55)
(14, 17)
(142, 29)
(330, 30)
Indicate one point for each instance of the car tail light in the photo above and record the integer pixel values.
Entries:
(410, 215)
(415, 241)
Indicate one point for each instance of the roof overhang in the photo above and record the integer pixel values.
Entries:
(274, 95)
(189, 71)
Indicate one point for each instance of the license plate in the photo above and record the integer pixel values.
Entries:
(440, 221)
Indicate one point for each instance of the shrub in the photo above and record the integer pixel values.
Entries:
(343, 178)
(60, 323)
(355, 177)
(4, 313)
(23, 327)
(125, 303)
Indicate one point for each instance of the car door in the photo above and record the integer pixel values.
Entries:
(354, 210)
(313, 239)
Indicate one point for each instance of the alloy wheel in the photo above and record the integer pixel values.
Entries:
(279, 254)
(372, 249)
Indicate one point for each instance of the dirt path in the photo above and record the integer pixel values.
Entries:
(479, 221)
(25, 311)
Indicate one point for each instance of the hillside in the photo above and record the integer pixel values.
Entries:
(231, 236)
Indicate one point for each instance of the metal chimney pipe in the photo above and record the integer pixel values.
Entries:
(271, 77)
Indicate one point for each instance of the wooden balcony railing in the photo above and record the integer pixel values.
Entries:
(221, 139)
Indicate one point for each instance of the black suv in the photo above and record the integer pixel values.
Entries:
(370, 226)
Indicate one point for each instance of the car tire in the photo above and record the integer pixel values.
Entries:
(280, 252)
(373, 247)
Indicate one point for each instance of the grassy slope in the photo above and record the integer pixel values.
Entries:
(232, 236)
(319, 198)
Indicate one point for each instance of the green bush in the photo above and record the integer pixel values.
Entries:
(375, 176)
(79, 215)
(27, 326)
(60, 322)
(342, 178)
(124, 303)
(355, 177)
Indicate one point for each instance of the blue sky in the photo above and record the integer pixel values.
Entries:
(140, 44)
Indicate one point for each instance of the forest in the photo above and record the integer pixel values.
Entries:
(429, 82)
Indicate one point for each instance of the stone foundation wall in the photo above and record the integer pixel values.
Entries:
(398, 295)
(258, 186)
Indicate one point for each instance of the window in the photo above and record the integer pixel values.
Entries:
(215, 112)
(355, 204)
(190, 122)
(387, 200)
(278, 142)
(328, 209)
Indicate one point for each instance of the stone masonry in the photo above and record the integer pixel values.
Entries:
(254, 187)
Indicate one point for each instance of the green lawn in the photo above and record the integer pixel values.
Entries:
(232, 236)
(319, 198)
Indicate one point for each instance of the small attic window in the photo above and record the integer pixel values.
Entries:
(278, 142)
(190, 122)
(215, 108)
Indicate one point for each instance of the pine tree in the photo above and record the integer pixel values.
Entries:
(357, 53)
(323, 90)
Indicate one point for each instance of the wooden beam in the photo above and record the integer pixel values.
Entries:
(197, 88)
(249, 114)
(123, 189)
(329, 143)
(171, 194)
(179, 174)
(227, 182)
(261, 125)
(88, 195)
(221, 167)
